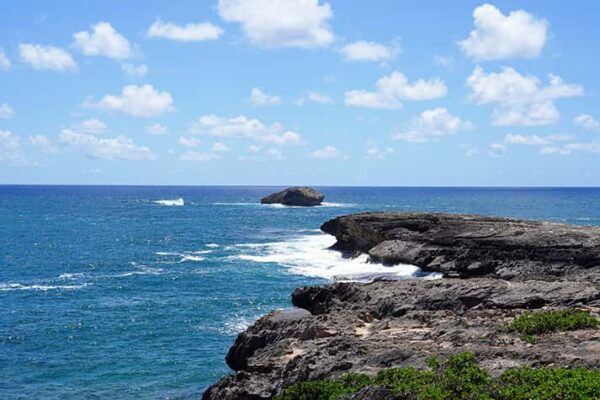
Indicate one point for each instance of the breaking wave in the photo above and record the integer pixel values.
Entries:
(309, 255)
(172, 202)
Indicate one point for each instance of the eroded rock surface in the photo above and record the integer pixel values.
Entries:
(469, 245)
(358, 327)
(295, 196)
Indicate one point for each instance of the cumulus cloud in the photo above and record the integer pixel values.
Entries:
(368, 51)
(585, 121)
(92, 125)
(498, 36)
(4, 60)
(327, 152)
(6, 111)
(11, 150)
(137, 71)
(46, 57)
(103, 40)
(243, 127)
(156, 129)
(519, 99)
(432, 125)
(379, 153)
(280, 23)
(315, 97)
(185, 33)
(116, 148)
(258, 98)
(138, 101)
(535, 140)
(444, 61)
(394, 88)
(188, 141)
(43, 143)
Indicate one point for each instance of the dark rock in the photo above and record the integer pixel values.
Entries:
(469, 245)
(295, 196)
(512, 265)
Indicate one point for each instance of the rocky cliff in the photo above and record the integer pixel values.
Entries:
(511, 266)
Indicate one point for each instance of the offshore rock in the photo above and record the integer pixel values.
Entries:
(295, 196)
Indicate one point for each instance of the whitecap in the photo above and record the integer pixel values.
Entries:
(212, 245)
(18, 286)
(191, 258)
(309, 255)
(71, 276)
(179, 202)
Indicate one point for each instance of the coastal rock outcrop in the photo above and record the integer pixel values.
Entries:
(295, 196)
(365, 327)
(469, 245)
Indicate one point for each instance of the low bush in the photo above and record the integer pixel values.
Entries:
(533, 323)
(459, 378)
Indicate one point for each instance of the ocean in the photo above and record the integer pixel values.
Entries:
(138, 292)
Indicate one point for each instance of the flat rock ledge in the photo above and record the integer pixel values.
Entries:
(357, 327)
(295, 196)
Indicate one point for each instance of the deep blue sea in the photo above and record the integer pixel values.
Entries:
(137, 292)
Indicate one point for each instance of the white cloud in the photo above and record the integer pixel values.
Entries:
(280, 23)
(368, 51)
(243, 127)
(380, 154)
(219, 147)
(275, 154)
(199, 156)
(586, 122)
(10, 148)
(535, 140)
(432, 125)
(471, 152)
(592, 148)
(92, 125)
(6, 111)
(185, 33)
(138, 71)
(43, 143)
(138, 101)
(156, 129)
(259, 98)
(519, 99)
(188, 141)
(103, 40)
(46, 57)
(117, 148)
(497, 36)
(259, 153)
(496, 149)
(327, 152)
(4, 61)
(319, 98)
(254, 148)
(394, 88)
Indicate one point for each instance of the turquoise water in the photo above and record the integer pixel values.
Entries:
(113, 292)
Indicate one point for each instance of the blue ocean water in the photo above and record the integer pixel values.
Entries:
(137, 292)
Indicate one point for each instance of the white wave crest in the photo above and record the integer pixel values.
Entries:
(212, 245)
(172, 202)
(7, 287)
(309, 255)
(185, 256)
(71, 277)
(277, 205)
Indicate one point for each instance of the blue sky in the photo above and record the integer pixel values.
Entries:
(300, 92)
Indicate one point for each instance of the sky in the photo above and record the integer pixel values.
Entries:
(285, 92)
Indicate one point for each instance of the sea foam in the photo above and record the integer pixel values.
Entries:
(309, 255)
(171, 202)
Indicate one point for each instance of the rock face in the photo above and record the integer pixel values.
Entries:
(295, 196)
(469, 245)
(357, 327)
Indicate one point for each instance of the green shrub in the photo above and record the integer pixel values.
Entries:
(531, 323)
(459, 378)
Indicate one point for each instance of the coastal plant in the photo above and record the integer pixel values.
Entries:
(459, 378)
(533, 323)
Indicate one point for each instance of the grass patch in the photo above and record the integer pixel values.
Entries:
(533, 323)
(459, 378)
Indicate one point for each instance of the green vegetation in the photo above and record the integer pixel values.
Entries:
(459, 378)
(533, 323)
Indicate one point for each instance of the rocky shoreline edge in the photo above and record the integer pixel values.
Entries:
(494, 270)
